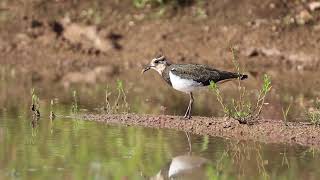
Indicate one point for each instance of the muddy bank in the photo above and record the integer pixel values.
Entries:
(57, 41)
(268, 131)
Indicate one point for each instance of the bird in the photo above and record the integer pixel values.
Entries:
(188, 78)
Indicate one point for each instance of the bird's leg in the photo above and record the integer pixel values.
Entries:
(188, 109)
(189, 142)
(187, 112)
(190, 105)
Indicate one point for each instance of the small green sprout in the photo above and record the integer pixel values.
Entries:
(35, 105)
(313, 115)
(74, 108)
(52, 115)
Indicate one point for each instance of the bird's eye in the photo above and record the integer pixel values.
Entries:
(156, 62)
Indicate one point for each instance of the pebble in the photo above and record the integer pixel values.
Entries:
(131, 23)
(272, 5)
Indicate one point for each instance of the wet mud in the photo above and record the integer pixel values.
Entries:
(267, 131)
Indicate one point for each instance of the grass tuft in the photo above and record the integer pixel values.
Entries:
(241, 108)
(285, 113)
(313, 114)
(120, 103)
(74, 108)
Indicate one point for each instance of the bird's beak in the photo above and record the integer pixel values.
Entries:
(145, 69)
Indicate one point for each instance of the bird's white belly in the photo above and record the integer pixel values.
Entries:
(184, 85)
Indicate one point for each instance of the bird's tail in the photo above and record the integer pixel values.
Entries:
(225, 75)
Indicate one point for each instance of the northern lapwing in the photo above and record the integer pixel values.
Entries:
(189, 77)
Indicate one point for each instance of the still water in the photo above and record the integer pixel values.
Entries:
(68, 148)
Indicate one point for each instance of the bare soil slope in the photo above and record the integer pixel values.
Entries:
(267, 131)
(36, 38)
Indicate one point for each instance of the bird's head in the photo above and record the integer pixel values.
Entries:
(159, 64)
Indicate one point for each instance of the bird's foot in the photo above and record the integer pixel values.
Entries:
(186, 115)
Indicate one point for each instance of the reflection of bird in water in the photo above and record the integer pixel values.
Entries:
(184, 167)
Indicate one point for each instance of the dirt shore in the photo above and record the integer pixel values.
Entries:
(267, 131)
(54, 42)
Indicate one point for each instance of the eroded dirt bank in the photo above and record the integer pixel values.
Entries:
(55, 42)
(268, 131)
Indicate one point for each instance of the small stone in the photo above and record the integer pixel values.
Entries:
(314, 5)
(304, 17)
(227, 124)
(131, 23)
(272, 5)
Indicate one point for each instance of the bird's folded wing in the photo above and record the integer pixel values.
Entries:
(199, 73)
